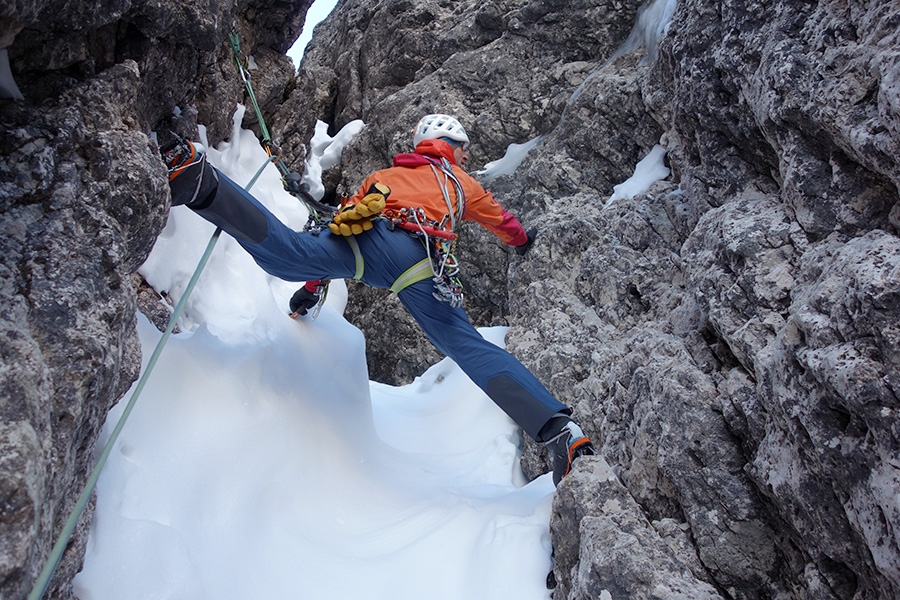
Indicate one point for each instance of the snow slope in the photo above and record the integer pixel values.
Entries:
(260, 462)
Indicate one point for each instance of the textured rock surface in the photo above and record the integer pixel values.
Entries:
(612, 550)
(729, 338)
(506, 69)
(82, 199)
(82, 196)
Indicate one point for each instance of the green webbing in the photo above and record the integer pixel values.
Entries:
(418, 272)
(360, 263)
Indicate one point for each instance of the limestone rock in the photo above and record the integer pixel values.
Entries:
(83, 195)
(620, 553)
(673, 322)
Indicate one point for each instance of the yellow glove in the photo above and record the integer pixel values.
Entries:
(356, 218)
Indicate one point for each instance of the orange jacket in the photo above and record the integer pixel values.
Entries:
(414, 185)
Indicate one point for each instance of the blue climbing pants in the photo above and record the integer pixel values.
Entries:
(383, 256)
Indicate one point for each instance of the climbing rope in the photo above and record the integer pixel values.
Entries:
(319, 213)
(291, 180)
(43, 580)
(243, 69)
(292, 184)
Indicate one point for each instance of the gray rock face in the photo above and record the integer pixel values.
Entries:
(83, 195)
(614, 551)
(506, 69)
(729, 338)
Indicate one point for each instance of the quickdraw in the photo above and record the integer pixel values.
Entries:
(447, 286)
(319, 213)
(290, 180)
(322, 290)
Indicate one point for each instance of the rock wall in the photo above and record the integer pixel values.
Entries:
(83, 195)
(505, 69)
(728, 338)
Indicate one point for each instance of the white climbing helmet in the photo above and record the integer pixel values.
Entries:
(432, 127)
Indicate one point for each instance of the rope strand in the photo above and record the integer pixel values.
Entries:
(43, 580)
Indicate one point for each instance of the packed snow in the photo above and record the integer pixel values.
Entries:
(515, 154)
(649, 170)
(8, 87)
(654, 18)
(260, 461)
(325, 152)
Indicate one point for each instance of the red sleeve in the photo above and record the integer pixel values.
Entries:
(487, 212)
(513, 229)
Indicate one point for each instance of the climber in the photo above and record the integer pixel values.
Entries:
(397, 232)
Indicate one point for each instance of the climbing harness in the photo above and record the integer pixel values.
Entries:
(439, 242)
(440, 265)
(357, 254)
(414, 220)
(418, 272)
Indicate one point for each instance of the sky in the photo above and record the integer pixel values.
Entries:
(317, 12)
(261, 462)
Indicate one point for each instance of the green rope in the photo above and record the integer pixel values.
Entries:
(245, 76)
(259, 172)
(316, 209)
(43, 580)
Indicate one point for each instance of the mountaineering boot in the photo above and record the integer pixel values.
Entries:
(180, 154)
(192, 181)
(567, 445)
(196, 184)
